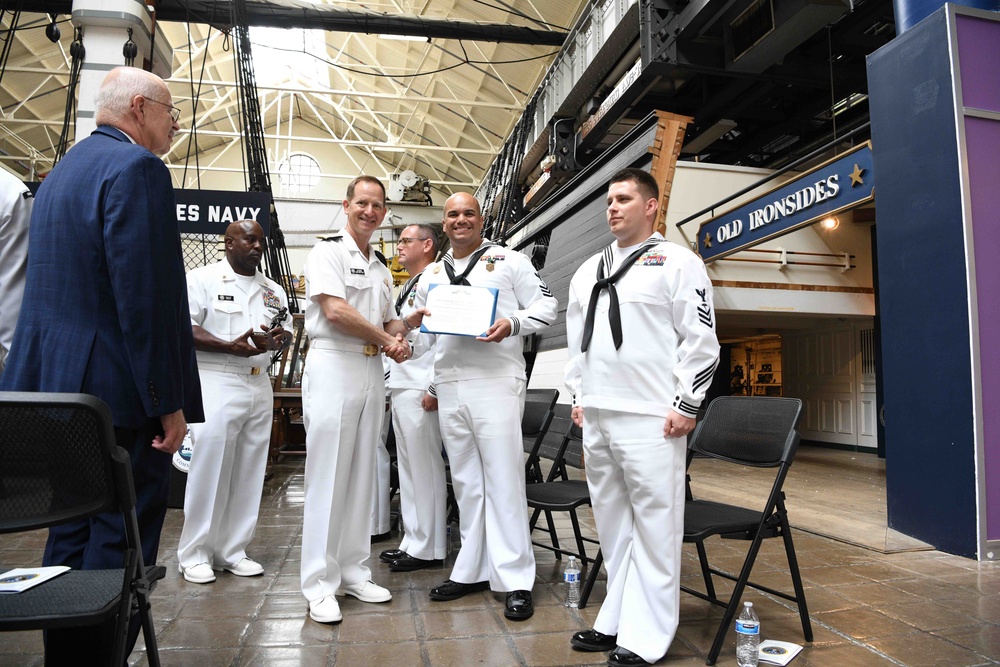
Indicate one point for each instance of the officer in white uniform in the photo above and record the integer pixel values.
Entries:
(422, 487)
(15, 214)
(480, 385)
(638, 373)
(229, 302)
(349, 320)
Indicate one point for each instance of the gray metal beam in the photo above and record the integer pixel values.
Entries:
(299, 14)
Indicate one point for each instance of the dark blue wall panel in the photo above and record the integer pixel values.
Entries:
(930, 450)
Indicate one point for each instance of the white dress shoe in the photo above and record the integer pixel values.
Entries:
(325, 610)
(247, 567)
(201, 573)
(366, 591)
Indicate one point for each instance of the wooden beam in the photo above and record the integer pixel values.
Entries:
(666, 148)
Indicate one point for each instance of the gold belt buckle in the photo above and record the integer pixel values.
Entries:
(371, 350)
(254, 371)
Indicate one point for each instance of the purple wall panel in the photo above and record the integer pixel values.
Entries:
(979, 58)
(982, 138)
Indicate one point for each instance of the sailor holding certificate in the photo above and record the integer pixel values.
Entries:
(480, 384)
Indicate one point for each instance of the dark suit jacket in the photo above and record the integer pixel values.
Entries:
(105, 308)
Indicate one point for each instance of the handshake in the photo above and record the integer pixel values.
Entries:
(399, 351)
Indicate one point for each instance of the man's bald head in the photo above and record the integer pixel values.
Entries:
(244, 246)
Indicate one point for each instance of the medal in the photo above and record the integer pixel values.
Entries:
(410, 302)
(489, 267)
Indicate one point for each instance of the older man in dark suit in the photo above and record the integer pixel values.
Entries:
(105, 312)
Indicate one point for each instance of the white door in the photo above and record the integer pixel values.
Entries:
(820, 368)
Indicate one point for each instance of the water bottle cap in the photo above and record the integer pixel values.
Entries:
(748, 604)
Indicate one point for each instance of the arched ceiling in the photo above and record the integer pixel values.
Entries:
(440, 107)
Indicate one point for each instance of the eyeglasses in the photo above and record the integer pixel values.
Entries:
(406, 240)
(175, 113)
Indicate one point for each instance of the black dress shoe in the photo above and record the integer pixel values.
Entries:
(452, 590)
(592, 640)
(390, 555)
(381, 537)
(518, 606)
(622, 657)
(407, 563)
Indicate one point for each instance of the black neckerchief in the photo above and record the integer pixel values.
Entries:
(407, 288)
(609, 284)
(449, 264)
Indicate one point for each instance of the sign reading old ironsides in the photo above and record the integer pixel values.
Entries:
(837, 185)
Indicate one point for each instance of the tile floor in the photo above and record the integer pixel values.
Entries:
(868, 607)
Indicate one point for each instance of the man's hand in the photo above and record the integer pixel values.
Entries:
(277, 338)
(174, 430)
(577, 415)
(412, 322)
(677, 426)
(497, 332)
(244, 346)
(429, 403)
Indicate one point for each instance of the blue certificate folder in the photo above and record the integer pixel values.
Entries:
(460, 310)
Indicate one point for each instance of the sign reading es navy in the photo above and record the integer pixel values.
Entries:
(836, 185)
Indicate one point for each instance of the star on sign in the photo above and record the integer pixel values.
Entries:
(856, 176)
(707, 240)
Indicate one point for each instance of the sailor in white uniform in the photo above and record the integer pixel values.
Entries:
(422, 488)
(640, 330)
(480, 384)
(15, 214)
(230, 301)
(350, 320)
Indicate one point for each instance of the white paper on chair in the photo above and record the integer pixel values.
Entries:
(777, 653)
(22, 578)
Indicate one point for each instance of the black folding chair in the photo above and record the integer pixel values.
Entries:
(59, 463)
(745, 431)
(559, 493)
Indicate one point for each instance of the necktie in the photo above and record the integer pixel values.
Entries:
(407, 288)
(609, 284)
(462, 279)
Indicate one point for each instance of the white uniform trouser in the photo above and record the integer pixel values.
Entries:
(381, 516)
(226, 477)
(343, 400)
(636, 479)
(422, 488)
(481, 427)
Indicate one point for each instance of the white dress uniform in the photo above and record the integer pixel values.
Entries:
(480, 389)
(668, 355)
(343, 402)
(226, 477)
(15, 213)
(423, 490)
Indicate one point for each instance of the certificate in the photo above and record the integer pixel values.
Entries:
(460, 310)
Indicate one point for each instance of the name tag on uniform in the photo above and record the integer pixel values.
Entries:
(226, 297)
(357, 272)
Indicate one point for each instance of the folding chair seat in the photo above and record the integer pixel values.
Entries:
(59, 463)
(745, 431)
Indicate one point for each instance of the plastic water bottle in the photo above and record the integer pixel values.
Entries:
(747, 637)
(571, 575)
